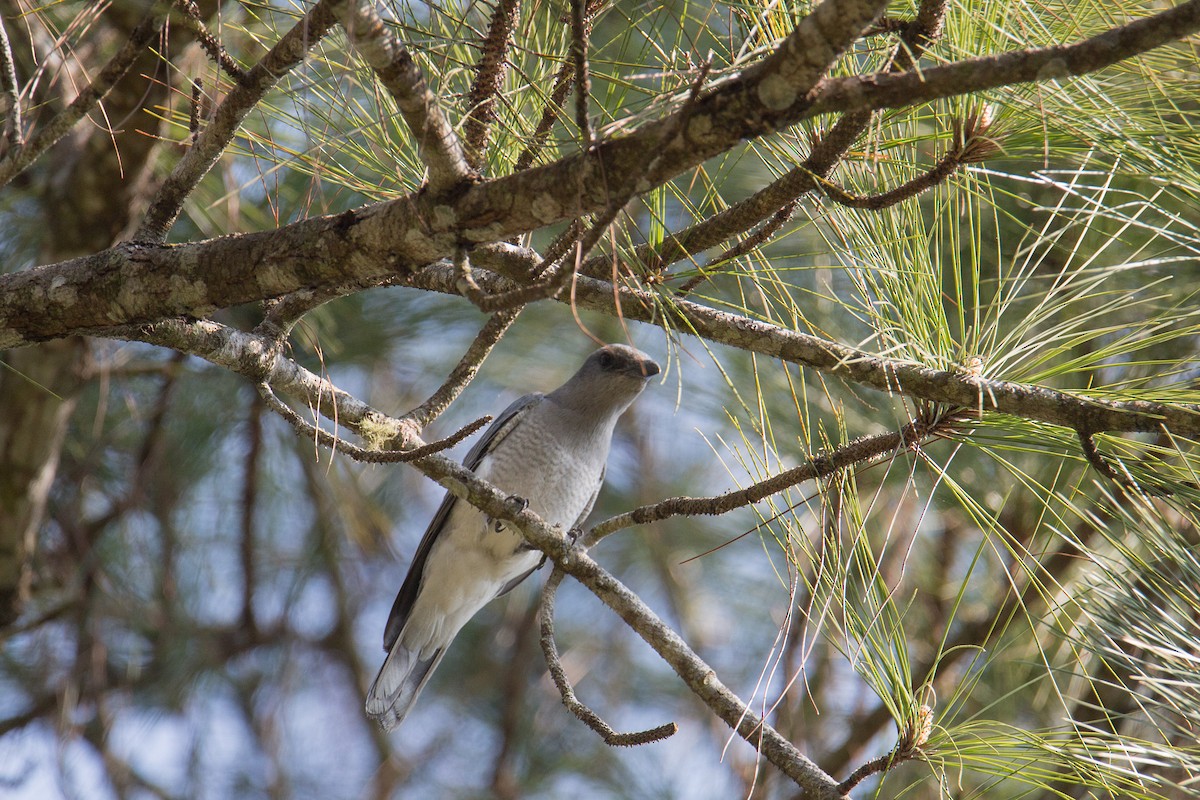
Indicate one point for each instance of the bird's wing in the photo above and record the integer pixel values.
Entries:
(592, 502)
(496, 432)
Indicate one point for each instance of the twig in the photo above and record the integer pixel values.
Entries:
(16, 160)
(1087, 444)
(10, 95)
(583, 80)
(907, 748)
(194, 110)
(970, 145)
(489, 77)
(569, 699)
(323, 437)
(437, 143)
(756, 239)
(558, 95)
(466, 369)
(857, 452)
(211, 44)
(283, 314)
(287, 53)
(549, 284)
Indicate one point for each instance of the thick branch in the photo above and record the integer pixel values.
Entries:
(787, 189)
(437, 143)
(1019, 66)
(955, 388)
(85, 294)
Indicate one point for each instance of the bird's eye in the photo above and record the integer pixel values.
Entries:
(607, 360)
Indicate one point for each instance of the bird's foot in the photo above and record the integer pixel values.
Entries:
(516, 504)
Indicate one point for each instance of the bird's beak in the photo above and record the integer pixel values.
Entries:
(649, 368)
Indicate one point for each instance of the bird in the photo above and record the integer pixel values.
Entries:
(547, 451)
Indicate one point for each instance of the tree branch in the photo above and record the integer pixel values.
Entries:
(17, 159)
(1006, 69)
(78, 296)
(860, 451)
(288, 52)
(10, 97)
(437, 143)
(581, 711)
(956, 388)
(489, 77)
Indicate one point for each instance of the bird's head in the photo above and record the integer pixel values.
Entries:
(611, 378)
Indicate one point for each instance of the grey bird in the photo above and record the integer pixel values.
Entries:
(550, 450)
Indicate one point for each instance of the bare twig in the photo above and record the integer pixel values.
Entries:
(17, 159)
(211, 44)
(437, 143)
(573, 704)
(283, 314)
(550, 282)
(10, 95)
(194, 110)
(1087, 444)
(287, 53)
(323, 437)
(767, 230)
(970, 145)
(464, 372)
(860, 451)
(554, 104)
(489, 77)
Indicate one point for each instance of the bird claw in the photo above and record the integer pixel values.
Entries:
(516, 504)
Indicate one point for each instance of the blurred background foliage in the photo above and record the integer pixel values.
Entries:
(210, 590)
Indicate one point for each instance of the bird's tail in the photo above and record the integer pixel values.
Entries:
(398, 683)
